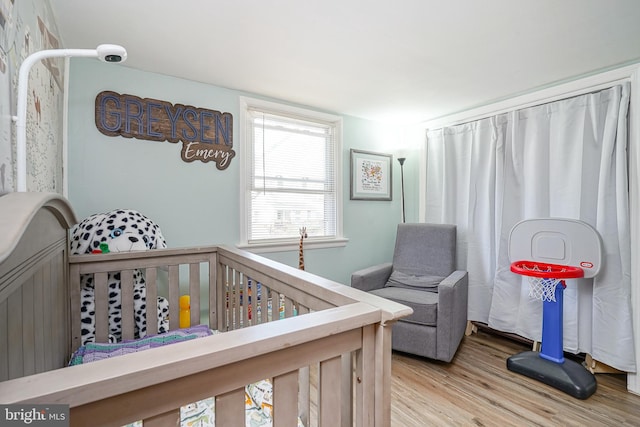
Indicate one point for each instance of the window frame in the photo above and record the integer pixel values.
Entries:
(246, 160)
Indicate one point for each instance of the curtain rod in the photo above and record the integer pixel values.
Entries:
(543, 96)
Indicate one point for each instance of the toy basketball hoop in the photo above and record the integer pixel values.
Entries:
(554, 250)
(543, 277)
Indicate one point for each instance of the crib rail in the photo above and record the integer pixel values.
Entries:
(217, 279)
(299, 323)
(155, 265)
(153, 385)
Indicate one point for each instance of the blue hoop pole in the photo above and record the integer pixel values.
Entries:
(552, 325)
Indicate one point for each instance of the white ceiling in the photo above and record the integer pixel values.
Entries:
(402, 61)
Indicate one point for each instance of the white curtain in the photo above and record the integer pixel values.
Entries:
(564, 159)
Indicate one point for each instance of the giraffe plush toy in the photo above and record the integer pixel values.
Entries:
(303, 235)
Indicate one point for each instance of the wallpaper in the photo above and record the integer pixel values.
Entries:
(28, 26)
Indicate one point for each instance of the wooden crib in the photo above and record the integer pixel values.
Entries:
(301, 323)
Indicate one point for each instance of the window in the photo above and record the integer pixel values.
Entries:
(291, 175)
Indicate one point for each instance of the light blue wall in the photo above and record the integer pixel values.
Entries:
(196, 204)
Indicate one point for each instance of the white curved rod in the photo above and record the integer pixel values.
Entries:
(23, 82)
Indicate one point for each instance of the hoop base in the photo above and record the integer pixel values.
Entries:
(569, 376)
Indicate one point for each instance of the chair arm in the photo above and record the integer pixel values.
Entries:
(457, 278)
(371, 278)
(453, 293)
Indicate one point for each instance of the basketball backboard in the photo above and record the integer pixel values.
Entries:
(559, 241)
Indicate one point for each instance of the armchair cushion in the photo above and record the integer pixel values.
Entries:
(429, 283)
(424, 304)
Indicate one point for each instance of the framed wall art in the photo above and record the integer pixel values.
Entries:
(371, 175)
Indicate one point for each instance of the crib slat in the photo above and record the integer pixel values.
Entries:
(128, 312)
(281, 306)
(234, 315)
(229, 298)
(221, 292)
(174, 297)
(171, 418)
(330, 407)
(274, 299)
(365, 378)
(285, 399)
(74, 293)
(253, 306)
(230, 408)
(382, 373)
(304, 384)
(194, 293)
(213, 294)
(288, 307)
(245, 302)
(264, 303)
(225, 299)
(304, 394)
(102, 307)
(241, 301)
(151, 281)
(346, 382)
(231, 294)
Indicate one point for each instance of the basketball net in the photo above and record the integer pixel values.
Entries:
(542, 288)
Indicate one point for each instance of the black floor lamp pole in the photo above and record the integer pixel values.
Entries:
(401, 161)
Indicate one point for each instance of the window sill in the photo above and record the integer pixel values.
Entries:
(293, 246)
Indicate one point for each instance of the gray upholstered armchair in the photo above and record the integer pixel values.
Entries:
(423, 277)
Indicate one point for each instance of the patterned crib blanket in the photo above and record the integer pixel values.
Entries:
(96, 351)
(258, 396)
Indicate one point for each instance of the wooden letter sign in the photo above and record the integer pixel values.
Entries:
(206, 135)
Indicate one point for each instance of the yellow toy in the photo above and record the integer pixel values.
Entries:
(185, 311)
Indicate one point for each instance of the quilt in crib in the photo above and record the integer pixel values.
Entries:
(258, 396)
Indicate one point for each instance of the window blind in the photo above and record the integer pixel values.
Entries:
(293, 177)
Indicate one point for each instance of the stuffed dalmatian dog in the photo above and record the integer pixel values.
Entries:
(120, 230)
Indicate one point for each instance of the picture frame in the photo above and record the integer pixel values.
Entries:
(371, 175)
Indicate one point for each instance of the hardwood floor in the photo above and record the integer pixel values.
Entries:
(476, 389)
